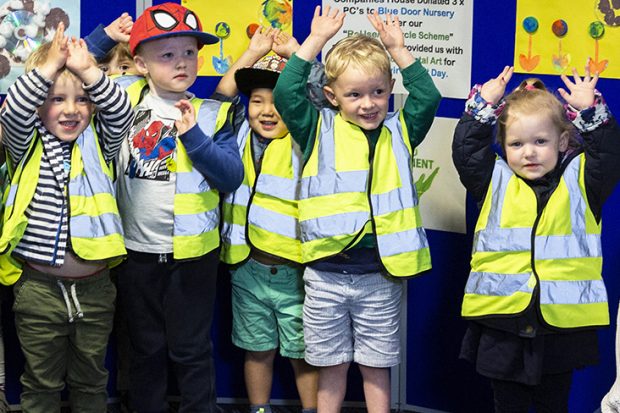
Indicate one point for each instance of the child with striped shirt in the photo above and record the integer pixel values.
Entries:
(61, 226)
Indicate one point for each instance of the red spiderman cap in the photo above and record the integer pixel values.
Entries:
(164, 20)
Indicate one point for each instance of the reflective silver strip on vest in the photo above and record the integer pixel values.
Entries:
(568, 246)
(277, 187)
(328, 181)
(507, 239)
(579, 244)
(195, 224)
(191, 182)
(233, 234)
(92, 182)
(493, 238)
(240, 197)
(403, 197)
(127, 80)
(333, 225)
(10, 200)
(573, 292)
(207, 116)
(402, 242)
(488, 283)
(273, 222)
(84, 226)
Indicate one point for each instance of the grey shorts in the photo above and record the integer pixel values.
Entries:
(351, 317)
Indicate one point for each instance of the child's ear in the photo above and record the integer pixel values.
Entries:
(564, 138)
(392, 85)
(140, 65)
(330, 95)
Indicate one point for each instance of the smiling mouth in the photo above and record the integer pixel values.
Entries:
(268, 125)
(69, 124)
(369, 116)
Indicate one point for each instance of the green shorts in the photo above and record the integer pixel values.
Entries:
(267, 302)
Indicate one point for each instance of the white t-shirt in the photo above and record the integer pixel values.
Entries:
(146, 176)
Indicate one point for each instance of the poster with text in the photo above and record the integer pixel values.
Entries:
(234, 23)
(553, 36)
(24, 25)
(442, 197)
(439, 32)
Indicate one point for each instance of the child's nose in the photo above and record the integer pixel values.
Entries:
(70, 107)
(367, 102)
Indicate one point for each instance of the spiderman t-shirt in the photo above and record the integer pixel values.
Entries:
(147, 176)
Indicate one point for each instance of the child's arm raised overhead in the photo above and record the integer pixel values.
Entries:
(290, 95)
(259, 46)
(114, 115)
(423, 99)
(601, 135)
(324, 27)
(472, 148)
(392, 37)
(19, 111)
(102, 39)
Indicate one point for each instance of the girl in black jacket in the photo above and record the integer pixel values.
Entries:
(528, 360)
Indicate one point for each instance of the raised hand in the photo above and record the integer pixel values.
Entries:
(262, 41)
(188, 116)
(120, 29)
(81, 63)
(285, 45)
(392, 37)
(326, 25)
(581, 94)
(57, 55)
(493, 90)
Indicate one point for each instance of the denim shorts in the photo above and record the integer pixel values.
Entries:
(352, 317)
(267, 302)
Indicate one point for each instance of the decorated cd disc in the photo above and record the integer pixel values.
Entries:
(20, 39)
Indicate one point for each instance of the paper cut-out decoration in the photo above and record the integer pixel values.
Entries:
(561, 60)
(221, 64)
(529, 62)
(597, 31)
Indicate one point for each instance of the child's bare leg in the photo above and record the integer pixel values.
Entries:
(307, 381)
(332, 386)
(376, 389)
(258, 370)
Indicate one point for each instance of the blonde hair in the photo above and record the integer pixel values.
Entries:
(531, 96)
(40, 55)
(364, 52)
(120, 51)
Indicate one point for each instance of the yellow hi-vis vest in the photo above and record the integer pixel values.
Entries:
(196, 204)
(341, 191)
(515, 250)
(94, 223)
(266, 204)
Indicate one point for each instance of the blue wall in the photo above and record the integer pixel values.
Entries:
(435, 377)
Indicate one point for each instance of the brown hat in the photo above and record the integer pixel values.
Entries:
(264, 74)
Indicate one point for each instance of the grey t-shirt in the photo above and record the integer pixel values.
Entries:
(146, 177)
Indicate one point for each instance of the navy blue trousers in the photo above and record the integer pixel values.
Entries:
(169, 310)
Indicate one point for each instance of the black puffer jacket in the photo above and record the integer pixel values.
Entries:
(526, 334)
